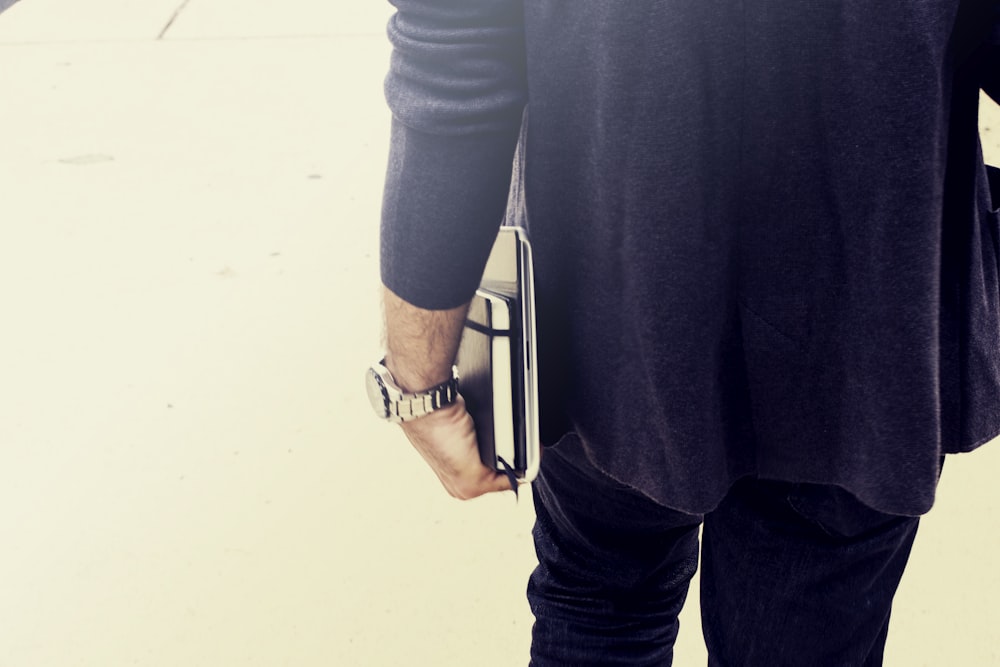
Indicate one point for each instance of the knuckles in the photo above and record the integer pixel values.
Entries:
(460, 494)
(462, 490)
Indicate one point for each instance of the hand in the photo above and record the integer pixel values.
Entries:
(446, 439)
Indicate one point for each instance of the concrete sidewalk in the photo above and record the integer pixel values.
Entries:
(189, 474)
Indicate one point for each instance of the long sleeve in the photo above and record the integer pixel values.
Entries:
(457, 90)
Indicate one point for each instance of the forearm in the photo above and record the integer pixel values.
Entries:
(420, 344)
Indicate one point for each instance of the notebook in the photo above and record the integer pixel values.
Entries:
(496, 359)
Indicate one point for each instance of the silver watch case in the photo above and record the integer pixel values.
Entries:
(393, 404)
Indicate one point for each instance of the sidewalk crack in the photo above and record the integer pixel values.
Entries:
(177, 12)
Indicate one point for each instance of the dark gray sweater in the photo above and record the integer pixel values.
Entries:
(764, 238)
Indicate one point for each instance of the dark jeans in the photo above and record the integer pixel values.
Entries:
(792, 574)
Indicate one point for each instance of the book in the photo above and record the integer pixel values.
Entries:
(496, 359)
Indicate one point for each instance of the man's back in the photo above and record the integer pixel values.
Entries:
(763, 230)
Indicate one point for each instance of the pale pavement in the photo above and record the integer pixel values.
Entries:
(189, 474)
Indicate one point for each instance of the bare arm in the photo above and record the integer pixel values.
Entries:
(421, 347)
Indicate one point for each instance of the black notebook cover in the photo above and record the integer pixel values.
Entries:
(496, 359)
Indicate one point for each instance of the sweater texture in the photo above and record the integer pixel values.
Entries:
(764, 236)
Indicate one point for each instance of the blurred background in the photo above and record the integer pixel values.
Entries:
(189, 472)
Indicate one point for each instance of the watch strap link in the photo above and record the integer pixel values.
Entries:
(411, 406)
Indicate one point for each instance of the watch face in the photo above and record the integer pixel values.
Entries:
(377, 394)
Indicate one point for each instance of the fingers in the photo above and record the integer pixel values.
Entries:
(469, 478)
(465, 490)
(446, 439)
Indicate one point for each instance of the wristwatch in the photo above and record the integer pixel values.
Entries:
(393, 404)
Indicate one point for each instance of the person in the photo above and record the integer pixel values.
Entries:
(766, 257)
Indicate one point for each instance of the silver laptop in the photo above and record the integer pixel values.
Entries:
(496, 359)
